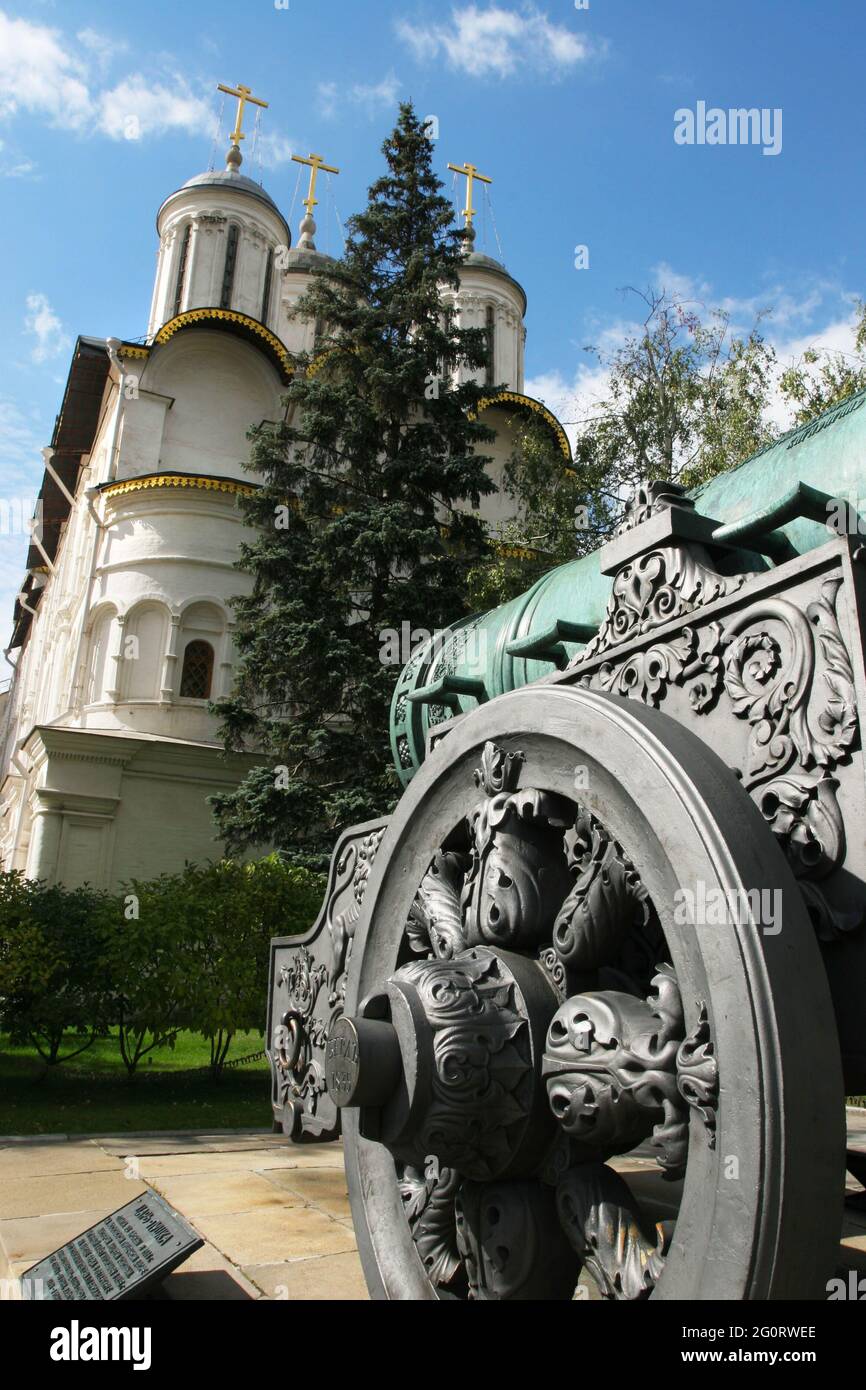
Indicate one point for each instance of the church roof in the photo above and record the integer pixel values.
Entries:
(481, 261)
(230, 179)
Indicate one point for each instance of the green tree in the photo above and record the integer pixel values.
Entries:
(149, 973)
(556, 519)
(233, 912)
(364, 517)
(684, 399)
(54, 978)
(821, 379)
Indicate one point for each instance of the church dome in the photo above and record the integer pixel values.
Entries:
(222, 239)
(478, 260)
(231, 180)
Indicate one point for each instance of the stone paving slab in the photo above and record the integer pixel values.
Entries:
(155, 1144)
(221, 1194)
(208, 1276)
(259, 1204)
(288, 1233)
(54, 1160)
(306, 1281)
(67, 1192)
(856, 1120)
(257, 1161)
(26, 1240)
(325, 1188)
(275, 1219)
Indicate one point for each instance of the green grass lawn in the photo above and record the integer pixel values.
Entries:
(91, 1094)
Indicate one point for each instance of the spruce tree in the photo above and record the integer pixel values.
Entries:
(364, 517)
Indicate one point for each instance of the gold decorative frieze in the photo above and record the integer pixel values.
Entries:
(528, 403)
(188, 480)
(252, 325)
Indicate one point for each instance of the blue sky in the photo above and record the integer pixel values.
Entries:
(106, 108)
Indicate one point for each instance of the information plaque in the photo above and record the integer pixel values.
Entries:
(124, 1256)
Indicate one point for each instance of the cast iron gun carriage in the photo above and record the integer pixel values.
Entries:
(589, 1002)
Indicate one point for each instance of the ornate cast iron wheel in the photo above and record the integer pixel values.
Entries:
(525, 1003)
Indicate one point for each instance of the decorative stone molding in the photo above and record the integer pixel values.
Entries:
(229, 316)
(522, 402)
(181, 480)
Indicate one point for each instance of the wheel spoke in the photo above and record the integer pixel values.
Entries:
(513, 1244)
(603, 1223)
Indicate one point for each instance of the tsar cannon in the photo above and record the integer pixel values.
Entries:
(586, 1007)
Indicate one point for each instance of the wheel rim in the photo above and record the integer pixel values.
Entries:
(683, 819)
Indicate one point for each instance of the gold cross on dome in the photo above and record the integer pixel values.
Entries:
(470, 173)
(244, 95)
(315, 163)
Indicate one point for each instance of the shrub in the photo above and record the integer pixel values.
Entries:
(183, 951)
(210, 929)
(54, 978)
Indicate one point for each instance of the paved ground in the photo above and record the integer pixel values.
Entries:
(275, 1219)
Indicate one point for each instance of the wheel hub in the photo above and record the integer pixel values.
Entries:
(446, 1061)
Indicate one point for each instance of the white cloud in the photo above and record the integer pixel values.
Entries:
(13, 166)
(20, 441)
(137, 107)
(43, 324)
(39, 74)
(370, 97)
(820, 315)
(497, 42)
(377, 95)
(784, 307)
(103, 48)
(273, 149)
(326, 98)
(574, 401)
(48, 74)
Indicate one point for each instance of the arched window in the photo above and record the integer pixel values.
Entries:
(230, 263)
(180, 282)
(266, 292)
(490, 334)
(98, 673)
(197, 673)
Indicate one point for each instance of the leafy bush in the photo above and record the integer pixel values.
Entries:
(184, 951)
(54, 974)
(215, 924)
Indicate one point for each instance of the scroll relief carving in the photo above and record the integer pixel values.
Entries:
(309, 990)
(784, 672)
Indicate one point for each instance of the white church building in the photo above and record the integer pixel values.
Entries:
(123, 628)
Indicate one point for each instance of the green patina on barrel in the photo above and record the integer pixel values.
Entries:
(470, 661)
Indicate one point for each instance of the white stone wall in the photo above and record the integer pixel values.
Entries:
(298, 334)
(138, 576)
(482, 287)
(209, 212)
(103, 809)
(199, 394)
